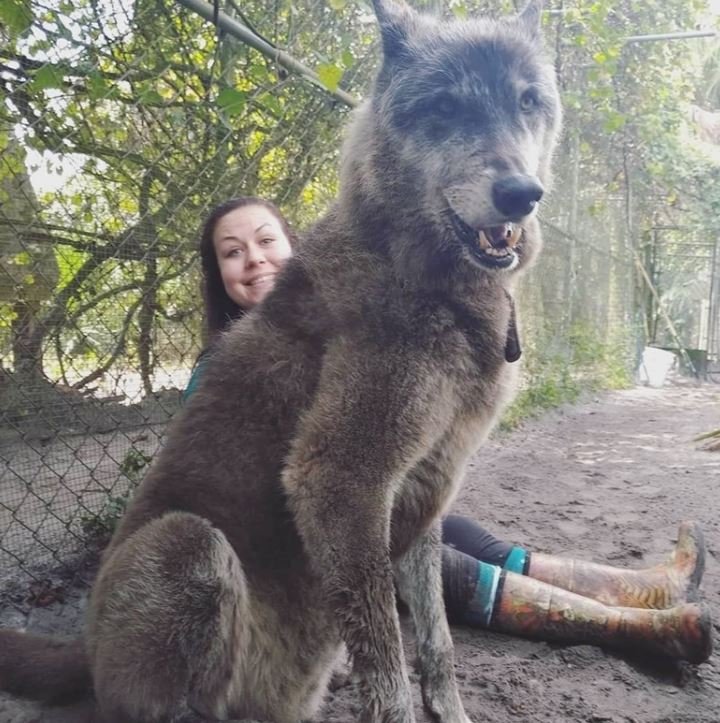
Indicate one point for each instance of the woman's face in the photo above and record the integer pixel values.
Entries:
(251, 249)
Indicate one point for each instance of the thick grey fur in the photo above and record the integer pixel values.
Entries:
(332, 427)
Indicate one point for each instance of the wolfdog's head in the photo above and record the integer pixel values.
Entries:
(451, 153)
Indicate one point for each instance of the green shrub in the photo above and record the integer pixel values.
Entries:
(553, 377)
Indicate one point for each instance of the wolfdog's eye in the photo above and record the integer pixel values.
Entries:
(446, 106)
(529, 101)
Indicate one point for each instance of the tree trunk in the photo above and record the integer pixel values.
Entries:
(146, 319)
(27, 339)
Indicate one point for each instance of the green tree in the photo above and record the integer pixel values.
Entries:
(168, 117)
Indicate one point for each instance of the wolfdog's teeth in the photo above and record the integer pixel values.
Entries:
(483, 241)
(514, 236)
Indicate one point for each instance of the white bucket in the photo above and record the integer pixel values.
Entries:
(655, 365)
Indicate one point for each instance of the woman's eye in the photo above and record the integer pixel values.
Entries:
(267, 240)
(234, 252)
(528, 101)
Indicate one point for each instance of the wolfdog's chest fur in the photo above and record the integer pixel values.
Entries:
(225, 458)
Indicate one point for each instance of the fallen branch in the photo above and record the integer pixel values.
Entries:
(714, 444)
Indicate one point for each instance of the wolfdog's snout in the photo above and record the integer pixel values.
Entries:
(516, 196)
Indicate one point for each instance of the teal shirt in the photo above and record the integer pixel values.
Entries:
(197, 372)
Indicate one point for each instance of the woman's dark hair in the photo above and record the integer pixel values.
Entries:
(220, 309)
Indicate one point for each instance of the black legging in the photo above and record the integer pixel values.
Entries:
(466, 535)
(471, 543)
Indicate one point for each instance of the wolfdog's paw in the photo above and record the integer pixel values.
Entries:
(395, 711)
(343, 674)
(441, 698)
(390, 716)
(443, 717)
(459, 717)
(445, 714)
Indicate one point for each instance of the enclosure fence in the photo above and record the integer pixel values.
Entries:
(122, 125)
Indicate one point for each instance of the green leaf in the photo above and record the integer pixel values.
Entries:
(348, 59)
(47, 77)
(460, 11)
(270, 102)
(330, 75)
(177, 116)
(337, 4)
(231, 101)
(614, 122)
(97, 87)
(17, 15)
(259, 73)
(69, 261)
(150, 97)
(22, 259)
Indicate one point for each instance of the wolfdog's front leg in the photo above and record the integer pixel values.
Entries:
(418, 575)
(374, 415)
(345, 539)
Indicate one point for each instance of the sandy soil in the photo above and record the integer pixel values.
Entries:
(607, 480)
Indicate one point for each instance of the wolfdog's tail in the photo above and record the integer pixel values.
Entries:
(52, 670)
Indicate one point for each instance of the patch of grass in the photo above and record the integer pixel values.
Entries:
(602, 362)
(588, 363)
(548, 384)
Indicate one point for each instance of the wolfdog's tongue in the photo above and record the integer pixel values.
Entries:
(500, 236)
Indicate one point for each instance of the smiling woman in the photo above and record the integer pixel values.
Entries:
(251, 249)
(244, 245)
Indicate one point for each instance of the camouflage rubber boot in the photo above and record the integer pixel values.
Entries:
(663, 586)
(533, 608)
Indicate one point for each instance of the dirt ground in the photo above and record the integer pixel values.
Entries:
(607, 480)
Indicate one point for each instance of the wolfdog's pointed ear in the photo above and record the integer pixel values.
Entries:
(396, 20)
(531, 16)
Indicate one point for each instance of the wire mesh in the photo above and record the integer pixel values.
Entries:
(122, 125)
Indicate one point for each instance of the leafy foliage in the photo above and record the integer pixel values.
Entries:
(554, 377)
(162, 117)
(101, 525)
(152, 116)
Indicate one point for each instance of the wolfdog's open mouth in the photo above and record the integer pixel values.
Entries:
(493, 247)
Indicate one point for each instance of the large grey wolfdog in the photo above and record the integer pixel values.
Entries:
(306, 478)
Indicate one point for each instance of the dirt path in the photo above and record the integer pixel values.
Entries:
(607, 480)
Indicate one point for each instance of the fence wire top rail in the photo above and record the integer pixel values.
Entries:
(241, 32)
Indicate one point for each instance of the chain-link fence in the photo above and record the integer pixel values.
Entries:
(122, 125)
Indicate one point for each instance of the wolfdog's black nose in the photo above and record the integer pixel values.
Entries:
(516, 196)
